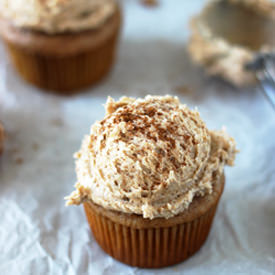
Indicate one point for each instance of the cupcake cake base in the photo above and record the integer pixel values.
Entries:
(154, 243)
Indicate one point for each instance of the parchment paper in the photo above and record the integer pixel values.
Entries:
(39, 235)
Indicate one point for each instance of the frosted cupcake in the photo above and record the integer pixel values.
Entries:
(150, 176)
(61, 45)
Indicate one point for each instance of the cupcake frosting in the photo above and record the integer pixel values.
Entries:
(150, 157)
(57, 16)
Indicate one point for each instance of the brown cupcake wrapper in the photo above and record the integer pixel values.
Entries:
(64, 74)
(150, 247)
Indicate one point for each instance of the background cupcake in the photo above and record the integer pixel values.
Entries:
(150, 175)
(61, 45)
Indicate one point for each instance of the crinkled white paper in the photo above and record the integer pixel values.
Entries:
(39, 235)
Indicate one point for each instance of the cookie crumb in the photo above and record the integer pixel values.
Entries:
(58, 122)
(19, 160)
(2, 137)
(35, 146)
(183, 90)
(150, 3)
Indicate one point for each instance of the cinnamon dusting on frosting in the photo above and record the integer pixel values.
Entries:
(149, 156)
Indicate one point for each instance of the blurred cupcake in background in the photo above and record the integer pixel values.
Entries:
(61, 45)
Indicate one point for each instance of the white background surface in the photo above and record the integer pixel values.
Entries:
(39, 235)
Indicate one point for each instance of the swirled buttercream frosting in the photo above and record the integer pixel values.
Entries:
(150, 157)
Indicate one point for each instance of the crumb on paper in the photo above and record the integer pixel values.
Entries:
(19, 160)
(14, 150)
(2, 138)
(183, 90)
(35, 146)
(150, 3)
(58, 122)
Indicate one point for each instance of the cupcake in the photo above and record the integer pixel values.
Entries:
(150, 176)
(61, 45)
(1, 138)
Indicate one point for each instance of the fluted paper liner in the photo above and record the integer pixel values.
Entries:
(158, 242)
